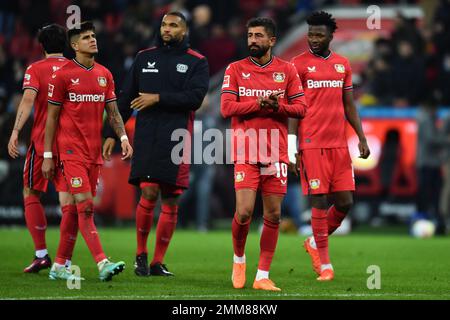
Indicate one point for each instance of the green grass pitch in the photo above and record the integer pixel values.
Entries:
(410, 268)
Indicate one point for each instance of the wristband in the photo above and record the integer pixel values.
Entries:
(124, 137)
(292, 147)
(48, 155)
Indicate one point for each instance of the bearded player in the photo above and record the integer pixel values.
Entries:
(260, 93)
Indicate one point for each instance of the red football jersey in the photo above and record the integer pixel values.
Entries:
(37, 77)
(324, 81)
(82, 93)
(266, 131)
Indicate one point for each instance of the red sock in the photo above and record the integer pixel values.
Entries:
(268, 243)
(88, 230)
(68, 233)
(334, 218)
(36, 221)
(144, 220)
(319, 226)
(239, 232)
(164, 231)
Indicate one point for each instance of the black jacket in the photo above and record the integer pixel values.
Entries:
(181, 77)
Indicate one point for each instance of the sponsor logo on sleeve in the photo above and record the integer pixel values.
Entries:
(226, 82)
(50, 90)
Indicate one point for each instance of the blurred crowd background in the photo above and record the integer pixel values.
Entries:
(407, 69)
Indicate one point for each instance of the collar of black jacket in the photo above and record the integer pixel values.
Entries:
(183, 45)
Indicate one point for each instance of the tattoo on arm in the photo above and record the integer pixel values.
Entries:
(114, 118)
(19, 117)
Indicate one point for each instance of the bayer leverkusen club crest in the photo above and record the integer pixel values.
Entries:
(314, 184)
(240, 175)
(102, 81)
(339, 68)
(76, 182)
(279, 77)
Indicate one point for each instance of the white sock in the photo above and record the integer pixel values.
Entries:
(57, 266)
(41, 253)
(68, 263)
(101, 263)
(260, 274)
(312, 242)
(326, 266)
(237, 259)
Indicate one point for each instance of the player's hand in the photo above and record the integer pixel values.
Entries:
(13, 150)
(108, 147)
(145, 100)
(127, 150)
(364, 150)
(294, 167)
(48, 168)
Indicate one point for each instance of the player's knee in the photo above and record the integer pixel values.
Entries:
(319, 202)
(30, 192)
(344, 206)
(273, 216)
(150, 193)
(85, 208)
(244, 214)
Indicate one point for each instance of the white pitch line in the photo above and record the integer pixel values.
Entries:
(212, 296)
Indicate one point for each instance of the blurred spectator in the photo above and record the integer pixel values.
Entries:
(201, 25)
(431, 144)
(408, 76)
(219, 48)
(445, 195)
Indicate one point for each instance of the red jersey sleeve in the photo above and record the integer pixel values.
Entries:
(110, 92)
(56, 89)
(229, 100)
(348, 84)
(30, 79)
(296, 106)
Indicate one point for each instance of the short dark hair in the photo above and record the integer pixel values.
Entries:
(80, 28)
(53, 38)
(322, 18)
(177, 14)
(268, 24)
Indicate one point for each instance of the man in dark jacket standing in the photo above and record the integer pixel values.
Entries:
(165, 85)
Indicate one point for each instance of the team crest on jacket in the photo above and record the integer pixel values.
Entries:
(314, 184)
(279, 76)
(76, 182)
(102, 81)
(339, 68)
(240, 175)
(182, 68)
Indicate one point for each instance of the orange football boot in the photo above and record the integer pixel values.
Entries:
(238, 276)
(265, 284)
(314, 254)
(326, 275)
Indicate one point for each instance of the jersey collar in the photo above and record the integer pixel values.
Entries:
(262, 65)
(325, 58)
(83, 66)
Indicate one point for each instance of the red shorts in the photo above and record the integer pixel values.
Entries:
(325, 171)
(271, 179)
(166, 188)
(81, 177)
(32, 173)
